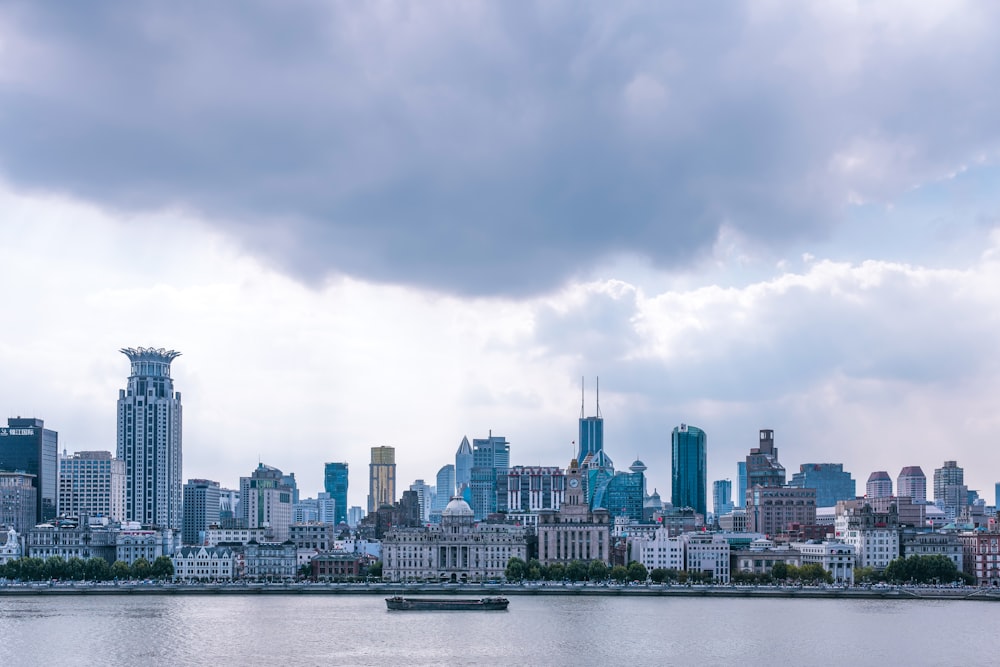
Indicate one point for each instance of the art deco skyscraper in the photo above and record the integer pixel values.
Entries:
(149, 439)
(381, 478)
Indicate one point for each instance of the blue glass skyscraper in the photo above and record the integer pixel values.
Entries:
(335, 483)
(689, 469)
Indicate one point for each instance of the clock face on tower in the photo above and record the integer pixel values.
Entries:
(574, 482)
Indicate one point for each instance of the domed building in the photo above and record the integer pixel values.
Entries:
(456, 550)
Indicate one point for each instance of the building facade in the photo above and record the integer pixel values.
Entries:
(267, 501)
(689, 468)
(771, 510)
(575, 531)
(837, 558)
(873, 534)
(204, 563)
(463, 466)
(92, 484)
(26, 446)
(722, 497)
(335, 482)
(381, 478)
(831, 481)
(912, 483)
(18, 501)
(201, 509)
(533, 488)
(490, 459)
(762, 466)
(149, 439)
(456, 550)
(879, 485)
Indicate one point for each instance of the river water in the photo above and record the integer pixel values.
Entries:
(357, 630)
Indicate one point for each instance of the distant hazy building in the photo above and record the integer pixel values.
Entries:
(18, 501)
(229, 506)
(266, 500)
(27, 446)
(741, 484)
(722, 497)
(912, 483)
(335, 482)
(689, 468)
(950, 492)
(425, 496)
(490, 459)
(201, 509)
(149, 439)
(445, 488)
(381, 478)
(92, 484)
(879, 485)
(354, 515)
(763, 468)
(463, 465)
(830, 480)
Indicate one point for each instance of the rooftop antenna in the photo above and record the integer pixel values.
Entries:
(598, 397)
(582, 409)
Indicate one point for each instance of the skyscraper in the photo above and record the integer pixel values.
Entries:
(879, 485)
(763, 468)
(463, 465)
(689, 469)
(722, 497)
(950, 492)
(381, 478)
(201, 508)
(27, 446)
(490, 458)
(266, 501)
(149, 439)
(912, 483)
(335, 483)
(741, 481)
(445, 490)
(831, 481)
(92, 483)
(590, 449)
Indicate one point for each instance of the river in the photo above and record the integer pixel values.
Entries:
(357, 630)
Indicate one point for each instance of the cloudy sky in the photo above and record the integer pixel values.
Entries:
(401, 223)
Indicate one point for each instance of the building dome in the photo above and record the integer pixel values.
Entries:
(457, 507)
(637, 466)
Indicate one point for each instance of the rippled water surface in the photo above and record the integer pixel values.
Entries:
(357, 630)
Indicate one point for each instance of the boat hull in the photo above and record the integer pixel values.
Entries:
(445, 604)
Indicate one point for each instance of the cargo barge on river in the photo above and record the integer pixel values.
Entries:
(399, 603)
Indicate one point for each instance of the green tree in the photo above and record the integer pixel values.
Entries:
(76, 569)
(162, 568)
(120, 570)
(555, 572)
(516, 569)
(375, 570)
(619, 573)
(780, 570)
(534, 571)
(576, 571)
(637, 571)
(55, 568)
(140, 569)
(32, 569)
(97, 569)
(597, 571)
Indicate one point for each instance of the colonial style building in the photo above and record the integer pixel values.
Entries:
(204, 563)
(11, 548)
(457, 549)
(771, 509)
(575, 532)
(707, 553)
(933, 544)
(659, 551)
(874, 535)
(836, 558)
(269, 561)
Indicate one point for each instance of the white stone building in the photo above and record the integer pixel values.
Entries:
(707, 553)
(204, 563)
(92, 484)
(837, 558)
(457, 549)
(659, 551)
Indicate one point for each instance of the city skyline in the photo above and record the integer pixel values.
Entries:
(777, 216)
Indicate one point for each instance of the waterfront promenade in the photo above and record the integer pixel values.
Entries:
(479, 590)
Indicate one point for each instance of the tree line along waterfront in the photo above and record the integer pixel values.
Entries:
(918, 569)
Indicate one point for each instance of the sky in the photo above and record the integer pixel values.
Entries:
(402, 223)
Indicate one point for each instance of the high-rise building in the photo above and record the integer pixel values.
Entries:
(18, 501)
(762, 464)
(722, 497)
(267, 500)
(335, 483)
(230, 513)
(950, 492)
(445, 488)
(490, 459)
(201, 509)
(831, 482)
(624, 494)
(741, 481)
(27, 446)
(92, 483)
(591, 442)
(772, 509)
(533, 488)
(381, 478)
(425, 497)
(463, 465)
(879, 485)
(912, 483)
(149, 439)
(689, 469)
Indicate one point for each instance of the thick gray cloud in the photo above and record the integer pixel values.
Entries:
(493, 148)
